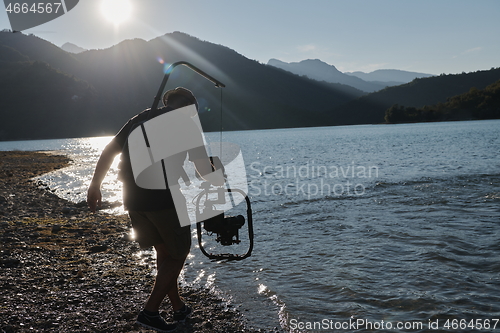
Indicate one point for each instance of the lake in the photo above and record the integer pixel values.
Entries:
(372, 227)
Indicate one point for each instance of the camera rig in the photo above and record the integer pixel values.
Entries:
(226, 228)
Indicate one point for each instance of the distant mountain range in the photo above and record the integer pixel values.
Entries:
(51, 93)
(391, 76)
(72, 48)
(106, 87)
(368, 82)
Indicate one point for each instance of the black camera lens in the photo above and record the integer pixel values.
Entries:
(235, 221)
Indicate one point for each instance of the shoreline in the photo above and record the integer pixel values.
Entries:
(65, 269)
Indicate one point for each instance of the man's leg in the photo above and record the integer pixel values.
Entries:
(168, 270)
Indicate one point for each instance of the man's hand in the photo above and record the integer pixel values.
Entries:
(204, 168)
(94, 198)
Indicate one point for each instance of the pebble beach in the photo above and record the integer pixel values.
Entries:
(64, 269)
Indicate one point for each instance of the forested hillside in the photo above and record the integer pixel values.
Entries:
(473, 105)
(28, 107)
(370, 109)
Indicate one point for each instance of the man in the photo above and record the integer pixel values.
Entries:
(152, 212)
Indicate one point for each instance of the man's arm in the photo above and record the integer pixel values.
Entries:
(107, 157)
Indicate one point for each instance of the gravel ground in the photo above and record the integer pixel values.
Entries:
(63, 269)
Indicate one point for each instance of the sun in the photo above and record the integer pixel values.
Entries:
(116, 11)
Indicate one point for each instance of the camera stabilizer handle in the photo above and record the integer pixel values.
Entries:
(169, 70)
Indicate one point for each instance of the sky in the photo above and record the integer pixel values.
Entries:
(427, 36)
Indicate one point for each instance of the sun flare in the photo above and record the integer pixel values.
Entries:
(116, 11)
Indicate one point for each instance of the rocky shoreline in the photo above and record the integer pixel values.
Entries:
(64, 269)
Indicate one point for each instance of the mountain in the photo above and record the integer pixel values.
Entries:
(391, 76)
(72, 48)
(106, 87)
(321, 71)
(39, 101)
(50, 93)
(37, 49)
(371, 108)
(8, 54)
(368, 82)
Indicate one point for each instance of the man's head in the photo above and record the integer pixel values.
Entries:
(179, 97)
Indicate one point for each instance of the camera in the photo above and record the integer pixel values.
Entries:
(226, 228)
(214, 222)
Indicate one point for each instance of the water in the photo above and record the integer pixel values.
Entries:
(372, 225)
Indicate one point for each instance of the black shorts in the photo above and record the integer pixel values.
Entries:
(162, 226)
